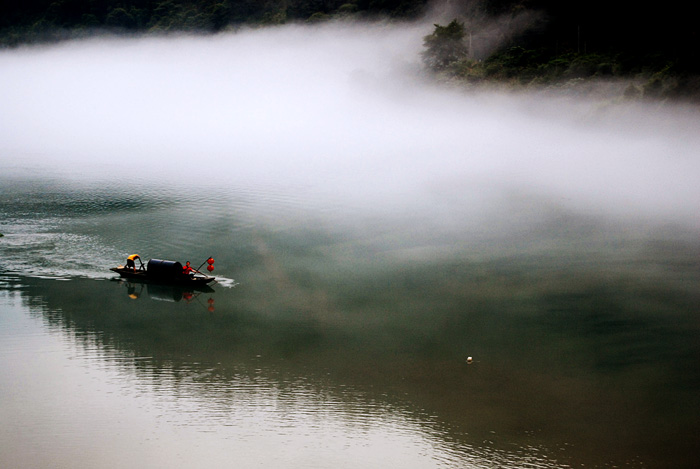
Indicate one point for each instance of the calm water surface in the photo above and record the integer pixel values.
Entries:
(331, 344)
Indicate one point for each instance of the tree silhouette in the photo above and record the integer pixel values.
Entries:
(445, 46)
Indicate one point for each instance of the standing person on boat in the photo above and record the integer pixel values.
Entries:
(131, 261)
(187, 269)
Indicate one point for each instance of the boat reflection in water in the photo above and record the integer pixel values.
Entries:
(170, 293)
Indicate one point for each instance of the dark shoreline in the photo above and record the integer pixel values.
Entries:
(614, 76)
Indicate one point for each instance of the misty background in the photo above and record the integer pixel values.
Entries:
(336, 110)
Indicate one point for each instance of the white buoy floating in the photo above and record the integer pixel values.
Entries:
(470, 360)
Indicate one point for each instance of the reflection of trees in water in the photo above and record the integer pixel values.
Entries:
(549, 339)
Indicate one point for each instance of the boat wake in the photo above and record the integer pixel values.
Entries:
(225, 282)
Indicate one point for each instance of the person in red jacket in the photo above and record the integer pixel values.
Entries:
(187, 269)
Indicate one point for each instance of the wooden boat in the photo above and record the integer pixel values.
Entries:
(163, 272)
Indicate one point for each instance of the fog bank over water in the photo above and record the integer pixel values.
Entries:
(335, 111)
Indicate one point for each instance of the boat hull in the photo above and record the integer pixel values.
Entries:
(180, 280)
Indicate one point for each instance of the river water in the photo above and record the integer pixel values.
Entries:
(358, 271)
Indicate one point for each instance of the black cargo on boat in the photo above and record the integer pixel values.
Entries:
(163, 269)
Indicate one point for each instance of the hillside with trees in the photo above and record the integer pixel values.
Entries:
(452, 53)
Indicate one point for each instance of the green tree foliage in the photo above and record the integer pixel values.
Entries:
(119, 17)
(220, 15)
(46, 20)
(445, 46)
